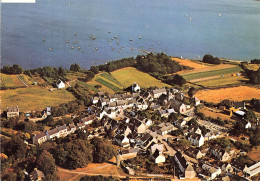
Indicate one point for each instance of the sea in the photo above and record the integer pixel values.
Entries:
(92, 32)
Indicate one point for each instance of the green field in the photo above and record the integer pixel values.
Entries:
(220, 72)
(33, 98)
(223, 81)
(11, 81)
(128, 76)
(110, 78)
(107, 84)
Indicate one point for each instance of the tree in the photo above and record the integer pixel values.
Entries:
(210, 59)
(75, 67)
(250, 115)
(191, 92)
(61, 71)
(178, 79)
(103, 150)
(227, 103)
(94, 69)
(46, 163)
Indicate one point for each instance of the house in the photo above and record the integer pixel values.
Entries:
(194, 153)
(146, 141)
(71, 128)
(60, 84)
(180, 123)
(158, 157)
(123, 129)
(122, 140)
(196, 101)
(212, 171)
(179, 96)
(211, 135)
(155, 147)
(220, 153)
(195, 129)
(163, 100)
(158, 92)
(89, 119)
(246, 124)
(178, 106)
(146, 96)
(181, 162)
(39, 138)
(95, 100)
(51, 134)
(227, 168)
(62, 130)
(81, 126)
(135, 87)
(148, 122)
(253, 170)
(12, 112)
(48, 111)
(102, 102)
(36, 175)
(240, 105)
(189, 172)
(196, 139)
(165, 113)
(139, 127)
(165, 128)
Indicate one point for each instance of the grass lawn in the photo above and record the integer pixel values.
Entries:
(129, 75)
(33, 98)
(211, 73)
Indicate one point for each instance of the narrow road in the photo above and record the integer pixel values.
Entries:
(21, 80)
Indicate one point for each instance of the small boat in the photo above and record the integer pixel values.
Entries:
(96, 48)
(92, 37)
(89, 45)
(75, 42)
(117, 42)
(186, 15)
(50, 49)
(140, 37)
(43, 40)
(130, 39)
(79, 48)
(190, 18)
(67, 41)
(116, 37)
(109, 31)
(72, 47)
(219, 14)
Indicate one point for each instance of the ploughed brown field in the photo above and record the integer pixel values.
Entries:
(234, 93)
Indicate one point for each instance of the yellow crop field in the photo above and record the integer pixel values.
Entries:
(189, 63)
(33, 98)
(129, 75)
(233, 93)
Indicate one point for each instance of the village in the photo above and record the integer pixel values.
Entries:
(178, 138)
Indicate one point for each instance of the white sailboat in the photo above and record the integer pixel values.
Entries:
(190, 18)
(219, 14)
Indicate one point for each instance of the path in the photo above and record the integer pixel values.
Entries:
(21, 80)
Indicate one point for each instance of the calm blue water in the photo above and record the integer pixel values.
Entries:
(188, 28)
